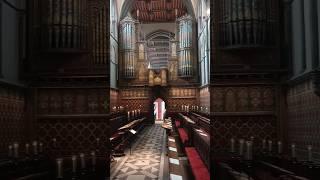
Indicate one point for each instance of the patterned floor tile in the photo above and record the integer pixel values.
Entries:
(144, 162)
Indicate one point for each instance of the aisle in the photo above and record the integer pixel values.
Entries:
(147, 158)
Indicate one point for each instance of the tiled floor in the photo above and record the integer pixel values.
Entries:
(147, 158)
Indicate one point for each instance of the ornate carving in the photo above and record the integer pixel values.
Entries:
(12, 116)
(316, 81)
(243, 99)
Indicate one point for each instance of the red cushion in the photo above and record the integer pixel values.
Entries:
(178, 123)
(199, 169)
(183, 135)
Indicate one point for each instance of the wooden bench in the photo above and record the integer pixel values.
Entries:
(199, 169)
(175, 166)
(183, 136)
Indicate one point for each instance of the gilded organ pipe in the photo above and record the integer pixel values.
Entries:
(128, 46)
(185, 46)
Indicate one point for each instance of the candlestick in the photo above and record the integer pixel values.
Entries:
(249, 150)
(270, 146)
(241, 142)
(27, 148)
(40, 147)
(263, 144)
(74, 163)
(279, 147)
(232, 145)
(93, 160)
(54, 141)
(16, 150)
(293, 150)
(59, 168)
(35, 147)
(82, 160)
(310, 153)
(10, 150)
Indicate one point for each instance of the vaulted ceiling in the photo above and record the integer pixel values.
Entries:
(158, 10)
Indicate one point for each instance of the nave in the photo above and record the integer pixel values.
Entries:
(173, 148)
(145, 159)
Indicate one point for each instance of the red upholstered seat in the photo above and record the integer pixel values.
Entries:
(183, 135)
(178, 123)
(199, 169)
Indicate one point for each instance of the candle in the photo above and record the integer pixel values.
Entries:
(93, 159)
(279, 147)
(128, 115)
(59, 168)
(35, 147)
(10, 150)
(293, 150)
(241, 142)
(82, 160)
(263, 144)
(54, 141)
(98, 141)
(16, 150)
(232, 145)
(27, 148)
(74, 163)
(309, 153)
(40, 147)
(270, 146)
(249, 150)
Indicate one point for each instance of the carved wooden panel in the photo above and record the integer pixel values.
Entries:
(72, 101)
(303, 118)
(12, 116)
(176, 103)
(114, 98)
(134, 104)
(73, 135)
(205, 97)
(134, 93)
(223, 128)
(243, 99)
(182, 92)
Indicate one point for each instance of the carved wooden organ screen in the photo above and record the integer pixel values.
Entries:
(61, 23)
(185, 46)
(247, 22)
(128, 46)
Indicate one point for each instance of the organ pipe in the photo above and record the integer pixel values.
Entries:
(248, 23)
(128, 46)
(99, 37)
(185, 46)
(62, 25)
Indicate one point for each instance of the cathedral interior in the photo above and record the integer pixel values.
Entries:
(160, 89)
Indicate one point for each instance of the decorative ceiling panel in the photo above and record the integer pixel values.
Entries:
(158, 10)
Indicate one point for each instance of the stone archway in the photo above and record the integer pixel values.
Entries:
(159, 109)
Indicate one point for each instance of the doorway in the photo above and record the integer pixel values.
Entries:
(159, 109)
